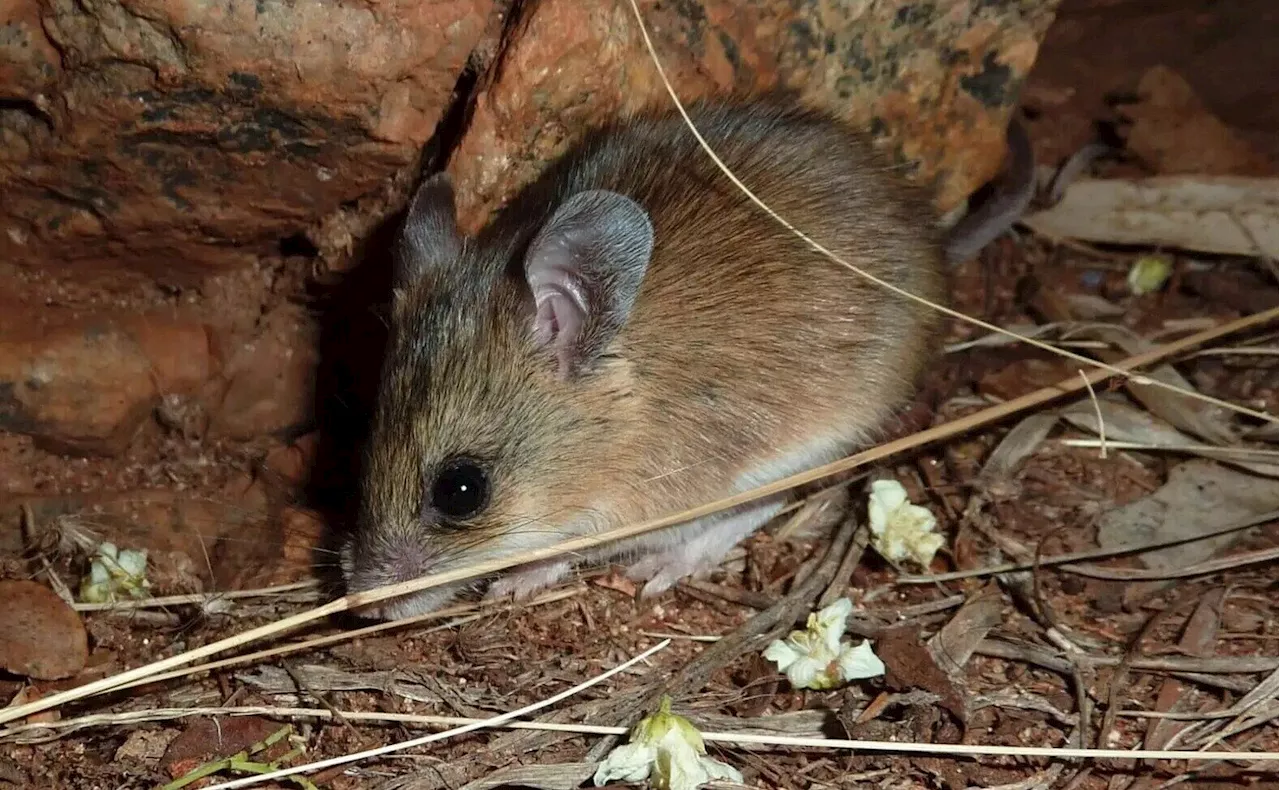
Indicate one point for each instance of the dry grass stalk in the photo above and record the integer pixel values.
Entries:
(956, 427)
(732, 738)
(202, 599)
(1091, 554)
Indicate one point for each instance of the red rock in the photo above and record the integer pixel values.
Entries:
(271, 378)
(940, 79)
(292, 463)
(41, 637)
(85, 385)
(1174, 132)
(174, 136)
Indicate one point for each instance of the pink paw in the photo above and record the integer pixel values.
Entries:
(661, 572)
(523, 584)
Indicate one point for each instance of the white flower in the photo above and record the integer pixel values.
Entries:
(860, 662)
(815, 658)
(114, 574)
(668, 751)
(899, 529)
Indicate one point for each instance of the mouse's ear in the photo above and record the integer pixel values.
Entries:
(585, 268)
(429, 236)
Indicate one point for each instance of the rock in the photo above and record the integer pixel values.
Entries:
(271, 378)
(291, 464)
(939, 80)
(41, 637)
(175, 136)
(85, 385)
(1174, 132)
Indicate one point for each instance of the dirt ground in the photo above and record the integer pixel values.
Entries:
(1108, 653)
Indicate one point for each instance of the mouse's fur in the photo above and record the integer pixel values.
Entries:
(743, 357)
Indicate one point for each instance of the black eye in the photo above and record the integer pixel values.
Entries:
(460, 490)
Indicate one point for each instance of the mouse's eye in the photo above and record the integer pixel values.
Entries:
(461, 489)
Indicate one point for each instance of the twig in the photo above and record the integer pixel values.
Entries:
(1177, 448)
(1204, 568)
(195, 598)
(467, 613)
(1225, 665)
(1097, 410)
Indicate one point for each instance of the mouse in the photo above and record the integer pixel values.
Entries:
(630, 337)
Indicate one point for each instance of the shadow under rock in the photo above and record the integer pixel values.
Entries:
(353, 338)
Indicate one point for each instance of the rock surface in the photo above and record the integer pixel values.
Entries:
(270, 378)
(938, 81)
(175, 135)
(84, 384)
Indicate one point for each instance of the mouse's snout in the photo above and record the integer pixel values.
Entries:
(368, 565)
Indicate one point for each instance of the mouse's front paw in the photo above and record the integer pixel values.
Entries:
(523, 584)
(661, 572)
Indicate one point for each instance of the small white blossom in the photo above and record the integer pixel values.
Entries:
(815, 658)
(115, 574)
(899, 529)
(860, 662)
(668, 751)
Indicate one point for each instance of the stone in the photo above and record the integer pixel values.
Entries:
(41, 637)
(270, 378)
(85, 385)
(174, 136)
(1174, 132)
(936, 82)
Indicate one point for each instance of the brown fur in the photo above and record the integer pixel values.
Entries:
(743, 346)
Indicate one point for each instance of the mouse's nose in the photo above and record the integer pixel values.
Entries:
(387, 563)
(384, 562)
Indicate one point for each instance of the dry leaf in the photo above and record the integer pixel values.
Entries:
(1227, 215)
(1125, 423)
(1200, 496)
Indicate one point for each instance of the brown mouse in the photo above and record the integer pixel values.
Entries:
(631, 337)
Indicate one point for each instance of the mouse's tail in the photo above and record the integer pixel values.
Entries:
(1013, 195)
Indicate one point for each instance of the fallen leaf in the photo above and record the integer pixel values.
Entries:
(41, 636)
(217, 738)
(1125, 423)
(909, 665)
(1226, 215)
(616, 582)
(1206, 420)
(999, 474)
(1199, 497)
(557, 776)
(1200, 635)
(952, 646)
